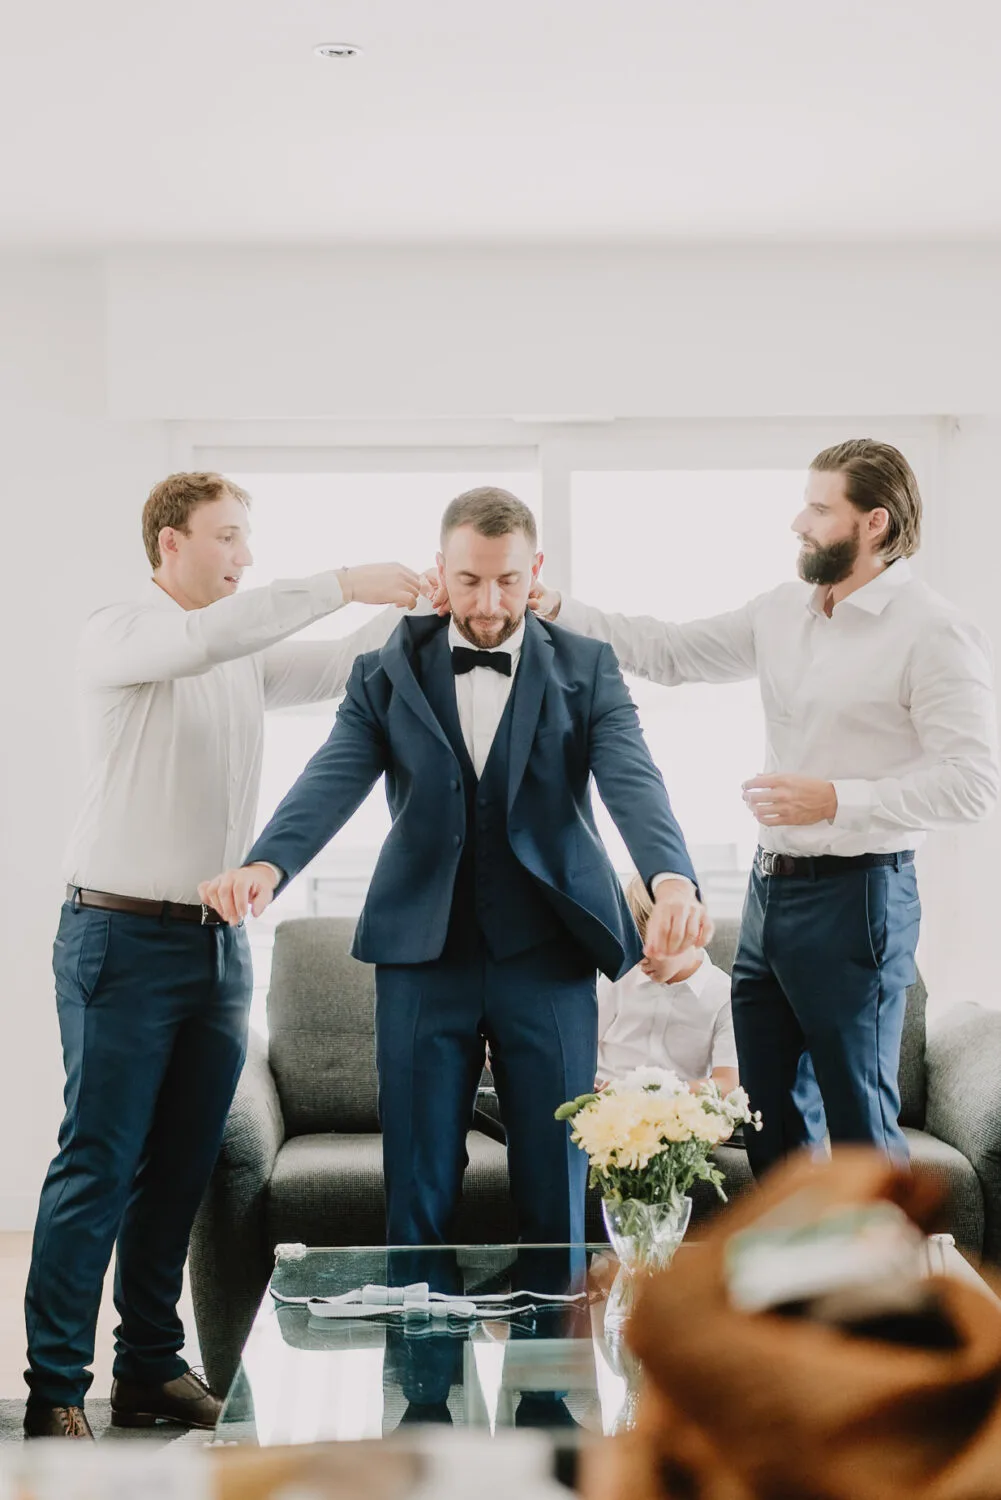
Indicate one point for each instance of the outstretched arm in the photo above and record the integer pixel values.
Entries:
(719, 649)
(126, 644)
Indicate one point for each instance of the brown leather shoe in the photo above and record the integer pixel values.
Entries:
(57, 1421)
(187, 1400)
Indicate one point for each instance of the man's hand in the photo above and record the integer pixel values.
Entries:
(782, 801)
(433, 588)
(545, 602)
(232, 895)
(678, 921)
(380, 583)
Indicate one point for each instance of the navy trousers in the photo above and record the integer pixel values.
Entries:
(539, 1014)
(820, 976)
(153, 1017)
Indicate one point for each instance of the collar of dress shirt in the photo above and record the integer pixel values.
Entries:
(696, 981)
(873, 597)
(512, 645)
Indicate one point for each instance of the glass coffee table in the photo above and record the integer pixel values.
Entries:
(522, 1361)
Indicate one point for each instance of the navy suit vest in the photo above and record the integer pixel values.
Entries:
(494, 895)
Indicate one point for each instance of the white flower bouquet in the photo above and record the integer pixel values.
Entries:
(649, 1137)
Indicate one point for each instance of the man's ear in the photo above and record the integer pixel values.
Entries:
(540, 558)
(167, 540)
(439, 558)
(878, 523)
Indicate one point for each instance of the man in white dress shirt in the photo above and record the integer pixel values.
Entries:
(881, 724)
(153, 993)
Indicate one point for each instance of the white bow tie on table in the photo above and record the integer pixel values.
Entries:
(418, 1299)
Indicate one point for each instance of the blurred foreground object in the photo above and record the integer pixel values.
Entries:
(859, 1391)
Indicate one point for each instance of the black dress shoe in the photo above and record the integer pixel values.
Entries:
(57, 1421)
(186, 1400)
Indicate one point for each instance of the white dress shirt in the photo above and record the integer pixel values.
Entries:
(481, 695)
(172, 707)
(686, 1026)
(891, 699)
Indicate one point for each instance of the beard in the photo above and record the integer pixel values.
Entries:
(485, 634)
(831, 564)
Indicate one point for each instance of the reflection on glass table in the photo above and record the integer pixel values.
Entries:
(524, 1359)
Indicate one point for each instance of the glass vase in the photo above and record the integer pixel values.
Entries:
(644, 1237)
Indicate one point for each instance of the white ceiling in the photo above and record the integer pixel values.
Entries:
(141, 121)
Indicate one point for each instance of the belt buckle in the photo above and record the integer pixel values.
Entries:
(205, 915)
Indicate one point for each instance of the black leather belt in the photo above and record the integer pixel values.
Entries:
(138, 906)
(816, 866)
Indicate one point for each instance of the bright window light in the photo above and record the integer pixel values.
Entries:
(682, 545)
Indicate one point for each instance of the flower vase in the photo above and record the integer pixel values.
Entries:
(645, 1237)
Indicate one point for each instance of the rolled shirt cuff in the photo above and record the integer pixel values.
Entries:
(325, 592)
(855, 803)
(663, 875)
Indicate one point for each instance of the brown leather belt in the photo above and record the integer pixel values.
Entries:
(138, 906)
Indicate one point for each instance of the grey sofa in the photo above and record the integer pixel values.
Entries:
(302, 1155)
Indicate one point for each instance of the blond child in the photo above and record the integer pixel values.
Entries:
(666, 1013)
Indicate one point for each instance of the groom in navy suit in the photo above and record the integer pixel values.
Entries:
(493, 901)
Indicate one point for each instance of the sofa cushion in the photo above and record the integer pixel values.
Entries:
(327, 1190)
(321, 1028)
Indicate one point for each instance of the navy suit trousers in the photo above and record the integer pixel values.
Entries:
(821, 976)
(153, 1017)
(539, 1014)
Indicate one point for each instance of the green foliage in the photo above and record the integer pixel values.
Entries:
(666, 1177)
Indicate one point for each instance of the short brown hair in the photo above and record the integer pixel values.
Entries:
(640, 903)
(171, 502)
(489, 511)
(878, 475)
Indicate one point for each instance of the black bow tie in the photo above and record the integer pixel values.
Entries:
(464, 660)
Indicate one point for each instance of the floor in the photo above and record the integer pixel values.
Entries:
(15, 1254)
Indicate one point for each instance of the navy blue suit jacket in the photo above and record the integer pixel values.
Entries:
(572, 718)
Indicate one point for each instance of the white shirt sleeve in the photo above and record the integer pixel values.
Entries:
(126, 644)
(608, 1003)
(953, 710)
(297, 672)
(723, 1049)
(720, 649)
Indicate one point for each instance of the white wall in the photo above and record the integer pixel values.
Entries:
(97, 362)
(71, 479)
(609, 333)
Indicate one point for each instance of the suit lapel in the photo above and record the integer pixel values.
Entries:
(398, 668)
(437, 681)
(528, 691)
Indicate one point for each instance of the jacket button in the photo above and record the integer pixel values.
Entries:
(455, 786)
(457, 839)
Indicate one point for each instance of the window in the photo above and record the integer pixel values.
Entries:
(679, 545)
(304, 523)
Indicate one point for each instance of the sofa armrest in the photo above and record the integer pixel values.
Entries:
(255, 1130)
(229, 1258)
(963, 1061)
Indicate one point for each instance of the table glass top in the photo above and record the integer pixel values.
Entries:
(512, 1356)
